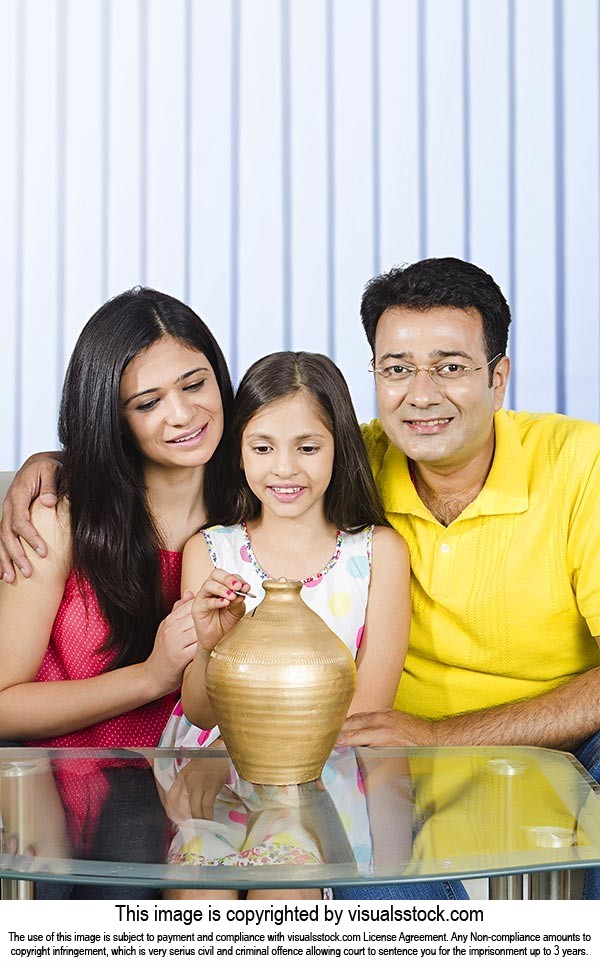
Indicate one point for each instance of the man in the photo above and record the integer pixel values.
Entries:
(500, 513)
(499, 510)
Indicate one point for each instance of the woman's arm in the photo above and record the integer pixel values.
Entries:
(28, 607)
(37, 478)
(215, 610)
(380, 658)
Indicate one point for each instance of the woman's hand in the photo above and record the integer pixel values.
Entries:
(36, 479)
(217, 607)
(174, 647)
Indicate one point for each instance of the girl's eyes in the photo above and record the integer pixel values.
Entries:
(149, 405)
(304, 449)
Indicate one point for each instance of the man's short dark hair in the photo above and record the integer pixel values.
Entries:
(439, 282)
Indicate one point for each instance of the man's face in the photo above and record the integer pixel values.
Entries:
(445, 426)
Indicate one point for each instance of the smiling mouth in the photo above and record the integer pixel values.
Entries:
(430, 426)
(286, 492)
(193, 436)
(430, 421)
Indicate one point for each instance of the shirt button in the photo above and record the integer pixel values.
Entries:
(445, 548)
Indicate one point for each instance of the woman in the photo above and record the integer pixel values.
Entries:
(94, 644)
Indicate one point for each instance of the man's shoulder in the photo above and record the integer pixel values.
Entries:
(558, 443)
(556, 430)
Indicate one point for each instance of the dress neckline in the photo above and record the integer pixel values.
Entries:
(305, 581)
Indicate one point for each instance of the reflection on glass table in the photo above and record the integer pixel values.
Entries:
(375, 816)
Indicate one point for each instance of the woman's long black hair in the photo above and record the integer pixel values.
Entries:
(351, 499)
(114, 540)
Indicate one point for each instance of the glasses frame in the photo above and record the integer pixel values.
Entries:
(432, 370)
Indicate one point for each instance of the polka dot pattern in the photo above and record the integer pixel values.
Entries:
(247, 555)
(240, 817)
(340, 604)
(338, 594)
(79, 631)
(359, 782)
(358, 567)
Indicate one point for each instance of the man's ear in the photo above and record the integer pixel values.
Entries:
(500, 381)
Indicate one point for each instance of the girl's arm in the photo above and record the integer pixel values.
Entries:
(215, 610)
(28, 607)
(380, 658)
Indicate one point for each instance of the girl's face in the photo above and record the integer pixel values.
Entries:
(171, 403)
(287, 456)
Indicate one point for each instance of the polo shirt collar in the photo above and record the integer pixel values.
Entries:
(504, 492)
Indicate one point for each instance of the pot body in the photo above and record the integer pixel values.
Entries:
(281, 683)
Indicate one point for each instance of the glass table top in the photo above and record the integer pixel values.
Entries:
(168, 818)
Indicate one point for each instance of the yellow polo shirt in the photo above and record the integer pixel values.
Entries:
(506, 599)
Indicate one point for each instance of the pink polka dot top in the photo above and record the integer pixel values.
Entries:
(79, 630)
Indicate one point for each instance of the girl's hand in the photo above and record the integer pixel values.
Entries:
(174, 646)
(196, 787)
(217, 607)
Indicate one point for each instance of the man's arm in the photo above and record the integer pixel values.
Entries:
(562, 718)
(37, 478)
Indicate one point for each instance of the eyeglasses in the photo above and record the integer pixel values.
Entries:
(439, 373)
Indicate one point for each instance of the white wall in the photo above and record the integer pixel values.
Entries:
(262, 159)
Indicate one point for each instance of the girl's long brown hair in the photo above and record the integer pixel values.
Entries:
(351, 500)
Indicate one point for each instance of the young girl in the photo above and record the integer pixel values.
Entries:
(305, 508)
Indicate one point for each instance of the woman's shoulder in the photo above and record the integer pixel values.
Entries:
(53, 568)
(54, 525)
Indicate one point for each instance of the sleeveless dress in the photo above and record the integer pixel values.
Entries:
(78, 632)
(254, 824)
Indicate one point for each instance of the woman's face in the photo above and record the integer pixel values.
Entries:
(171, 403)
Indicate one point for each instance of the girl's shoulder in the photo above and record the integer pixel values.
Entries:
(376, 541)
(220, 534)
(226, 544)
(223, 530)
(355, 545)
(388, 544)
(216, 532)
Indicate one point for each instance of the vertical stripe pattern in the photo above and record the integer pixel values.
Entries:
(559, 181)
(360, 178)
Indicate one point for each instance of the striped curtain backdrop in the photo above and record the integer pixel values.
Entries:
(261, 159)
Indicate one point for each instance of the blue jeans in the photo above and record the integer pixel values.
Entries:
(589, 756)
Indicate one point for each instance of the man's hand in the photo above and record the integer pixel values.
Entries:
(386, 729)
(36, 479)
(561, 718)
